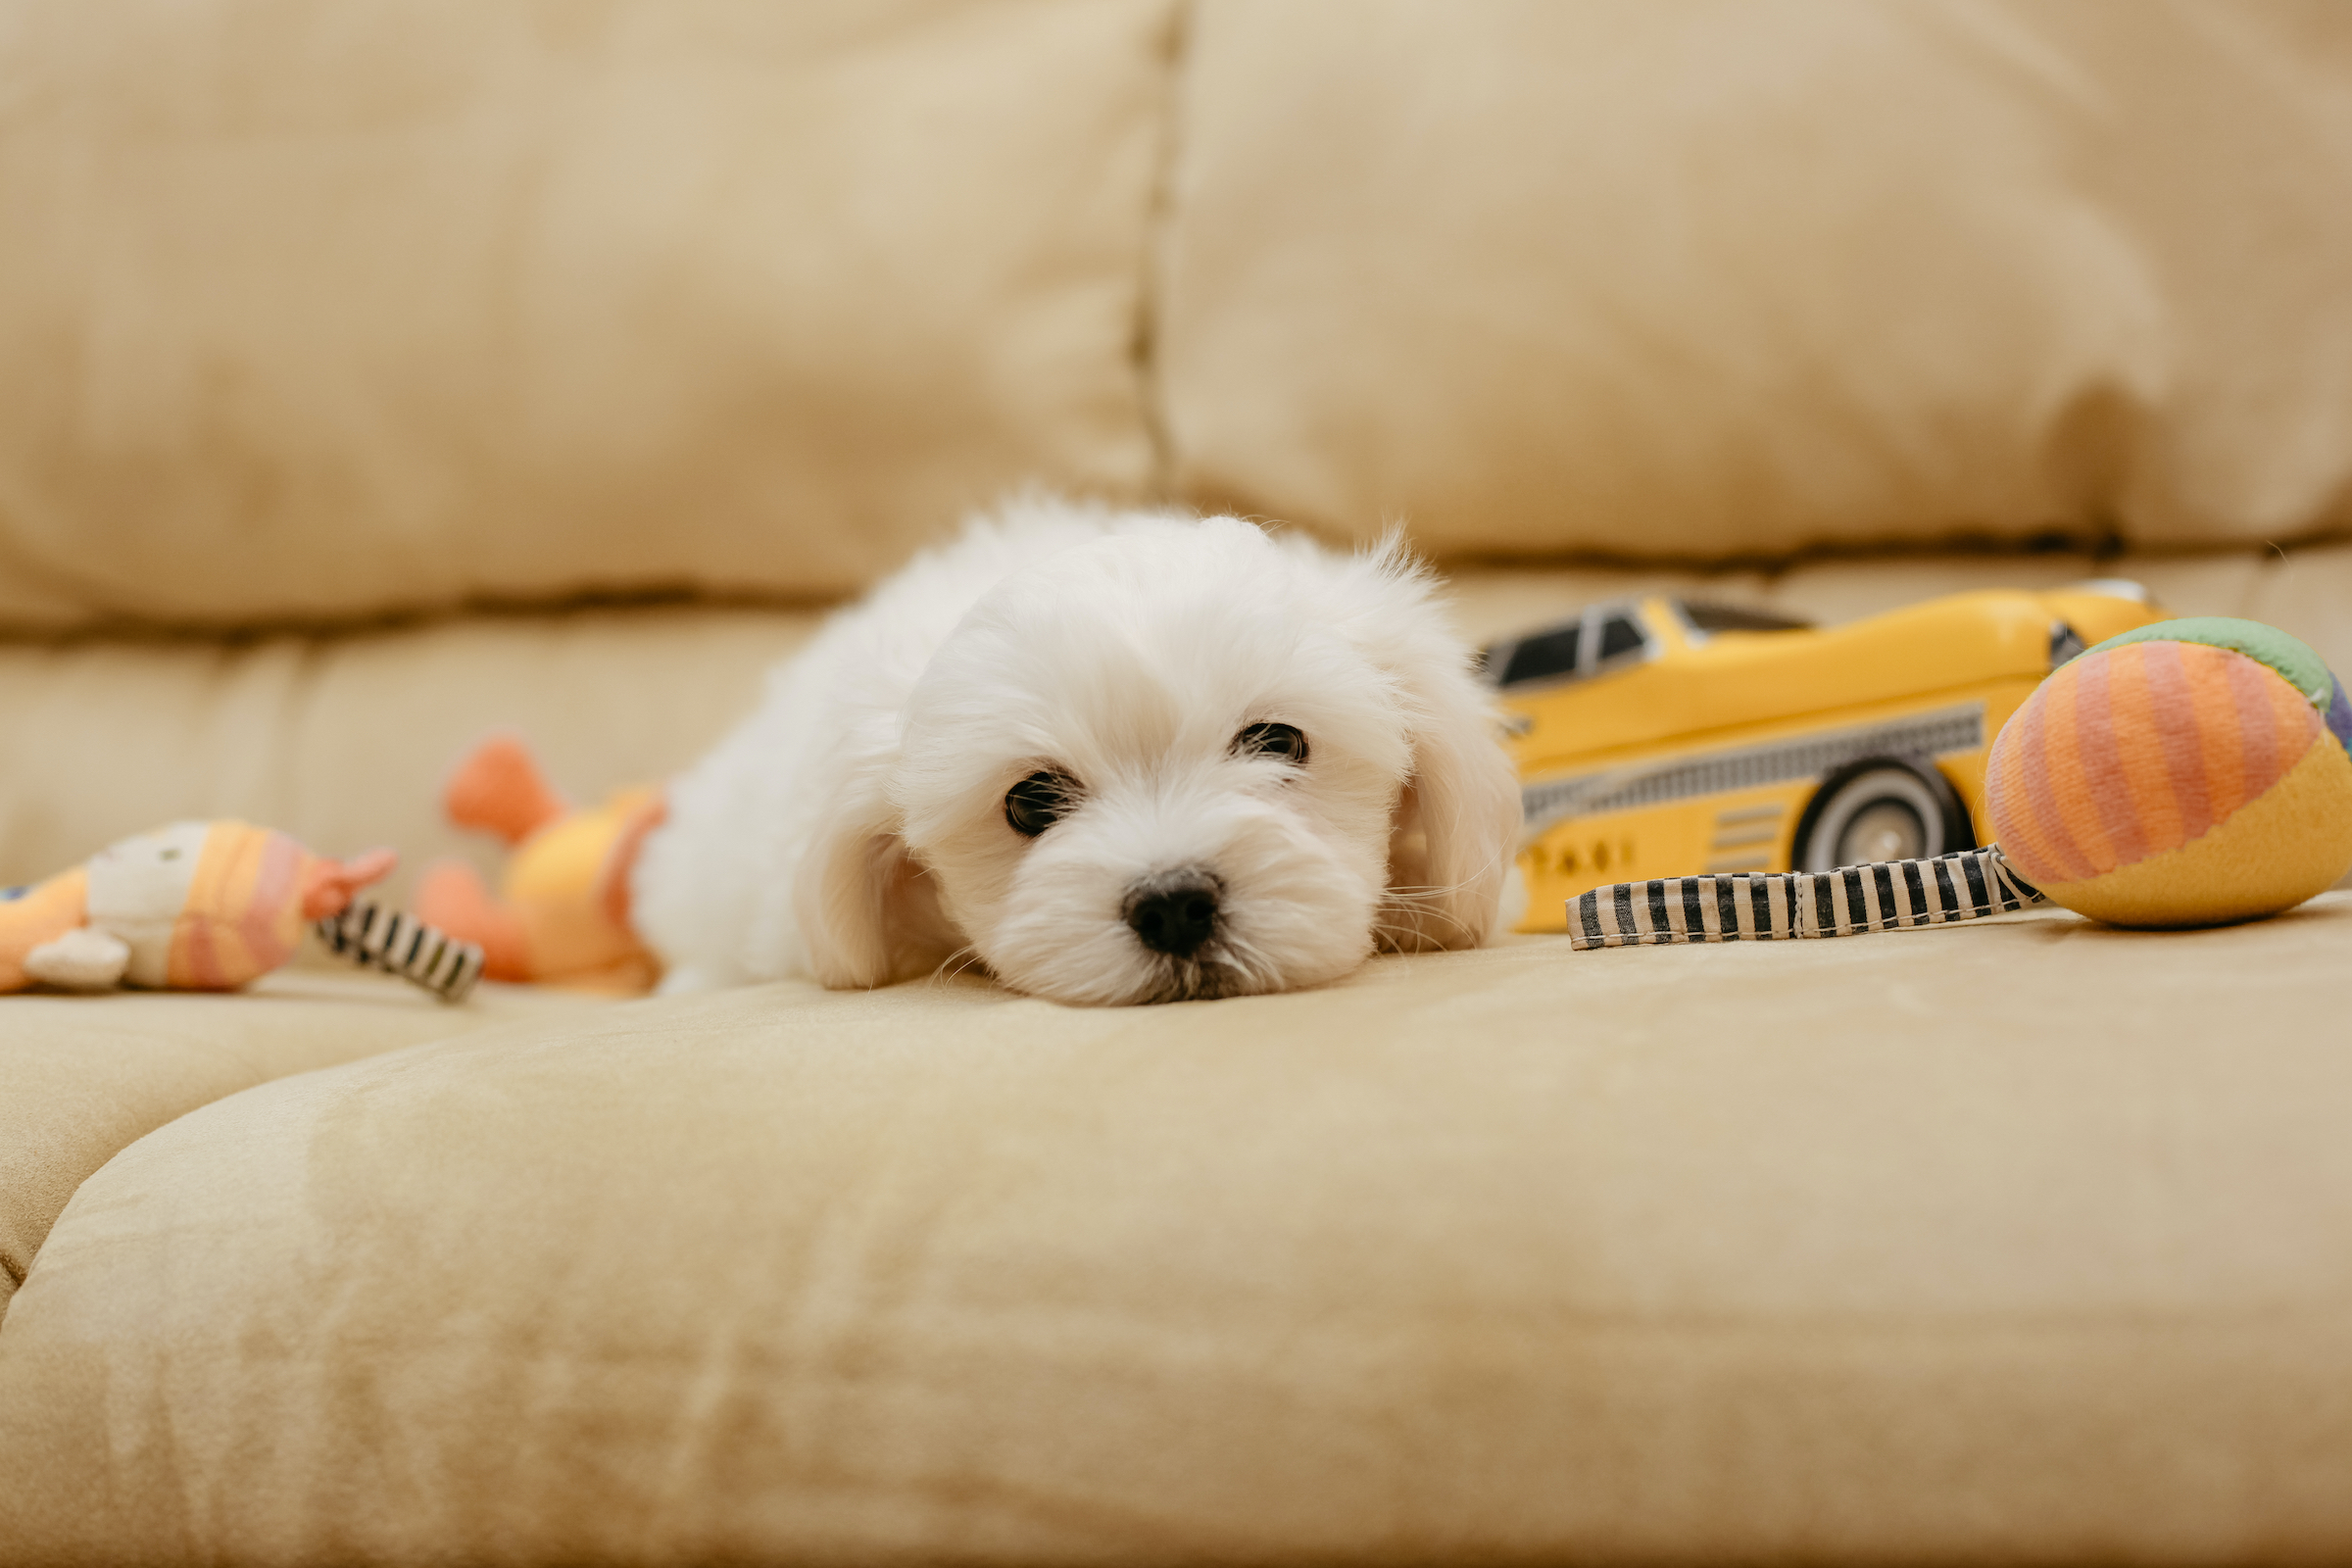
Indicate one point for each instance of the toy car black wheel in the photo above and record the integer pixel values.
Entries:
(1882, 808)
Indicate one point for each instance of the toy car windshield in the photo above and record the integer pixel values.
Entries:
(1610, 637)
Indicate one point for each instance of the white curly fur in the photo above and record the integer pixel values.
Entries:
(853, 829)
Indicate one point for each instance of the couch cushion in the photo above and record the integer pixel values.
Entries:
(1704, 280)
(314, 314)
(2029, 1241)
(82, 1077)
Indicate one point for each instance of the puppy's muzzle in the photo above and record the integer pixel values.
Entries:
(1175, 914)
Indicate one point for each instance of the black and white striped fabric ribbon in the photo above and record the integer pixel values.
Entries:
(377, 937)
(1747, 907)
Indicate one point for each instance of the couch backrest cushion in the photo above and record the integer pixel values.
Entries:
(325, 313)
(1704, 280)
(313, 312)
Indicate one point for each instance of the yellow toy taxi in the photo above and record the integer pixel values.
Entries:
(1665, 737)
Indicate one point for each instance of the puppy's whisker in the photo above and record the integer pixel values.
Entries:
(956, 964)
(1447, 891)
(1246, 966)
(1426, 901)
(1424, 907)
(1397, 938)
(1259, 969)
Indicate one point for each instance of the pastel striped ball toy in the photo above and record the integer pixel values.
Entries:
(2191, 772)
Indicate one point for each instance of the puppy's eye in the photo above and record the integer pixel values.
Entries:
(1038, 801)
(1271, 740)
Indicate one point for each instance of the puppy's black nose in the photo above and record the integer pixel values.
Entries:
(1175, 915)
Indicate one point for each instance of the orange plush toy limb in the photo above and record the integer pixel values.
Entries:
(201, 906)
(34, 917)
(561, 913)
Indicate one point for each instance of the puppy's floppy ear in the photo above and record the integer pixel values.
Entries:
(1456, 829)
(867, 914)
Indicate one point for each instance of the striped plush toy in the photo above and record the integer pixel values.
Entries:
(210, 906)
(2192, 772)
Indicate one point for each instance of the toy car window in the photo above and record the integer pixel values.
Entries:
(1546, 655)
(1708, 617)
(1620, 636)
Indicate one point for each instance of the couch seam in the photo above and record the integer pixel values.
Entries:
(1159, 215)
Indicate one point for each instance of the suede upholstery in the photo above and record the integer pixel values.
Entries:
(397, 307)
(375, 376)
(315, 315)
(1677, 279)
(83, 1077)
(1996, 1243)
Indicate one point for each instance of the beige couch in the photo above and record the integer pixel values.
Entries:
(378, 375)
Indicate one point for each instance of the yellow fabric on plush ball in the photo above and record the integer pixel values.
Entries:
(2292, 844)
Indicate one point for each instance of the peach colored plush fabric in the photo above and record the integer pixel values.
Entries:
(315, 313)
(1735, 277)
(2015, 1243)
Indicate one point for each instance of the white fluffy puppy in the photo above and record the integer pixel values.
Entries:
(1119, 756)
